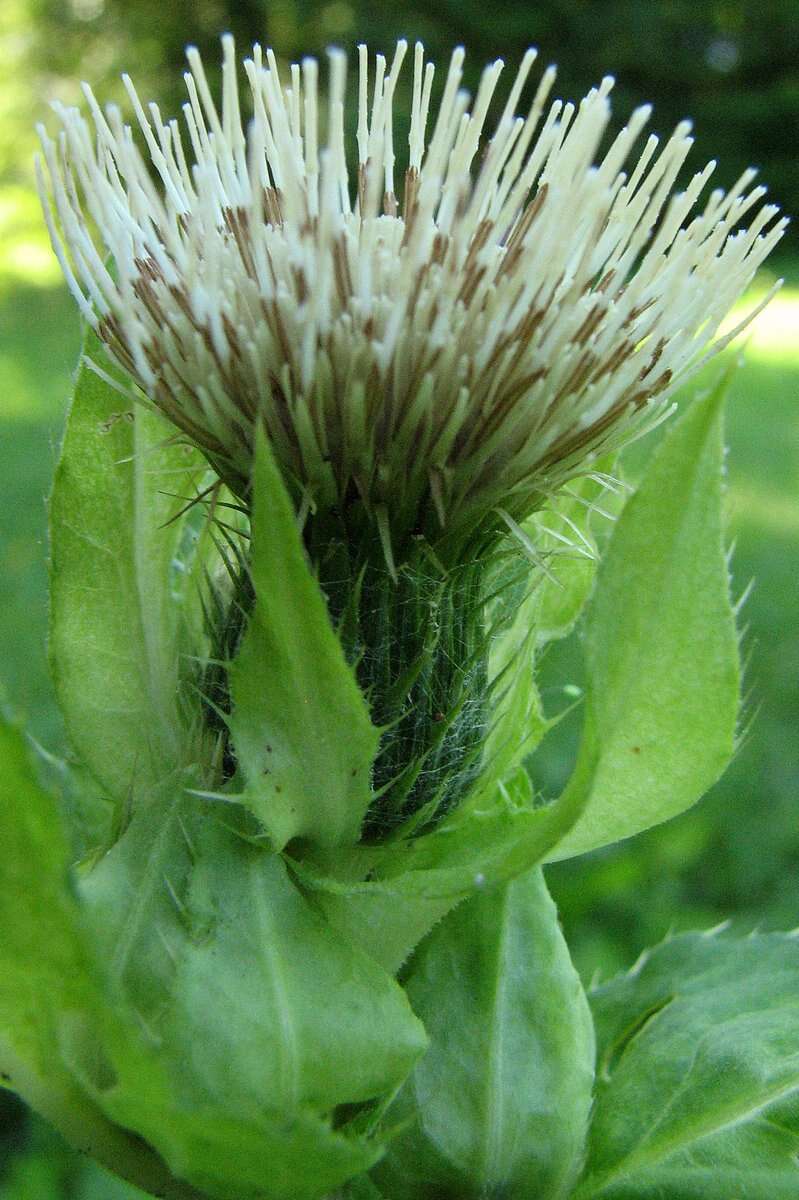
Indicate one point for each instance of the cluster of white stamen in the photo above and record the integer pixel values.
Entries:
(523, 305)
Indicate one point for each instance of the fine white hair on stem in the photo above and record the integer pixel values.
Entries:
(439, 355)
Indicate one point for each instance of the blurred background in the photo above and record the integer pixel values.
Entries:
(731, 65)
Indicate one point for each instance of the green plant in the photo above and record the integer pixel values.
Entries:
(287, 931)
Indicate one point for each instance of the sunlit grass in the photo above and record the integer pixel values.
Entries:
(764, 423)
(766, 509)
(25, 254)
(775, 333)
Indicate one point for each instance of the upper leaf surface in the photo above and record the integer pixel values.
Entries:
(698, 1075)
(265, 1155)
(660, 644)
(268, 1155)
(300, 723)
(500, 1103)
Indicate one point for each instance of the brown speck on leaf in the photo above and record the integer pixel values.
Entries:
(108, 424)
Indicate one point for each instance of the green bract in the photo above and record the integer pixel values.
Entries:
(300, 725)
(115, 634)
(661, 644)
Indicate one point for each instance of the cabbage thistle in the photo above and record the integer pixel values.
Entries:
(328, 486)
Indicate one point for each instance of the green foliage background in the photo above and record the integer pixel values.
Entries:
(732, 65)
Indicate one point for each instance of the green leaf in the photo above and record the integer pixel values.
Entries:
(698, 1077)
(133, 907)
(269, 1156)
(660, 644)
(299, 1017)
(45, 973)
(113, 635)
(500, 1103)
(248, 992)
(300, 723)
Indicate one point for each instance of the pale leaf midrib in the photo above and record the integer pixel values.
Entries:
(148, 612)
(288, 1053)
(494, 1107)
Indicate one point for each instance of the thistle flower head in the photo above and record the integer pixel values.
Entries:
(429, 358)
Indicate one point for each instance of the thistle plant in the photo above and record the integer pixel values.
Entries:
(330, 483)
